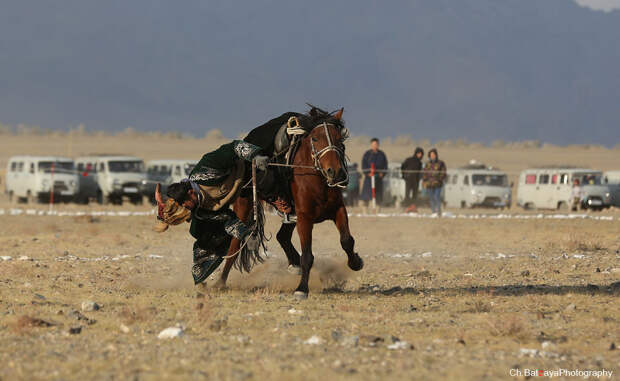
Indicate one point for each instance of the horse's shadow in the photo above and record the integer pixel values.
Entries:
(612, 289)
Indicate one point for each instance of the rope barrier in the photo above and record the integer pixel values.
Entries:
(367, 170)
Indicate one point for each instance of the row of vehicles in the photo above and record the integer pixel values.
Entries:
(477, 185)
(101, 178)
(115, 179)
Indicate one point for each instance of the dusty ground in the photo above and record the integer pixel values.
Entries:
(474, 297)
(471, 296)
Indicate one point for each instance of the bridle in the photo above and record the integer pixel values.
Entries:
(317, 155)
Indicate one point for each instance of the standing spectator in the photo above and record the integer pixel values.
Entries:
(412, 179)
(576, 195)
(373, 156)
(434, 176)
(352, 193)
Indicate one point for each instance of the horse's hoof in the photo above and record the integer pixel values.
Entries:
(295, 270)
(220, 285)
(300, 295)
(356, 264)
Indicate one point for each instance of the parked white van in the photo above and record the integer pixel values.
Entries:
(111, 178)
(612, 180)
(394, 187)
(550, 188)
(165, 172)
(36, 178)
(477, 185)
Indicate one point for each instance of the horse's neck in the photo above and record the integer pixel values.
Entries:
(303, 156)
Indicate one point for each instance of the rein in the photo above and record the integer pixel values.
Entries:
(317, 155)
(294, 127)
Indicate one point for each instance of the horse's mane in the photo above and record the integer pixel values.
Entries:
(316, 116)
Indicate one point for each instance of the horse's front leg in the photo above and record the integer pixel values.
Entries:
(347, 242)
(242, 208)
(284, 238)
(304, 229)
(235, 244)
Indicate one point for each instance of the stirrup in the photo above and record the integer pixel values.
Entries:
(288, 218)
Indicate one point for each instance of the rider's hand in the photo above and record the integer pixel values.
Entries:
(261, 162)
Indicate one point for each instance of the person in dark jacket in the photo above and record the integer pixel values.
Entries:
(412, 179)
(374, 156)
(352, 193)
(434, 176)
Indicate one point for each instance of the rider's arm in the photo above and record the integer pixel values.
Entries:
(244, 150)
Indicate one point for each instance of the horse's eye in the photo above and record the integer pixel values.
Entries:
(315, 140)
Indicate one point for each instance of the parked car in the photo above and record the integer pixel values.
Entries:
(477, 185)
(38, 178)
(612, 180)
(110, 179)
(550, 188)
(165, 172)
(394, 188)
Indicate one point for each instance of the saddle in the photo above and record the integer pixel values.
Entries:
(282, 141)
(274, 185)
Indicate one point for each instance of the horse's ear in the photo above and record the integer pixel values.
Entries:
(338, 114)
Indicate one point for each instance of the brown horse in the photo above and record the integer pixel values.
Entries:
(319, 170)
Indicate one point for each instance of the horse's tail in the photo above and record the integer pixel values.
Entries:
(248, 258)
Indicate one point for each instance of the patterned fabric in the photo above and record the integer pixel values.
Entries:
(205, 263)
(434, 174)
(207, 174)
(245, 150)
(236, 228)
(215, 166)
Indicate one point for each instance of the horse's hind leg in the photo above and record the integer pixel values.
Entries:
(347, 242)
(304, 229)
(284, 238)
(242, 207)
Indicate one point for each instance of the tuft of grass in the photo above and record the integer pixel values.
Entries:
(53, 228)
(479, 306)
(86, 219)
(136, 315)
(509, 326)
(578, 243)
(25, 323)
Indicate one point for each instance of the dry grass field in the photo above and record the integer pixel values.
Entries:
(449, 298)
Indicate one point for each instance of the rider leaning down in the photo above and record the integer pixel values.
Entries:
(204, 199)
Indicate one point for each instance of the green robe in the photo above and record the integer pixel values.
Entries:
(213, 230)
(216, 165)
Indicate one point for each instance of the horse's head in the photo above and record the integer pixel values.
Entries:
(327, 144)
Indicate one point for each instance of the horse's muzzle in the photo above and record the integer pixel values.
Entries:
(342, 177)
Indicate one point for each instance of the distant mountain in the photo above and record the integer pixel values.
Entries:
(439, 69)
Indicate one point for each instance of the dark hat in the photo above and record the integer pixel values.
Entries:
(178, 191)
(418, 149)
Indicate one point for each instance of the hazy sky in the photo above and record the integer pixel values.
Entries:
(438, 69)
(602, 5)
